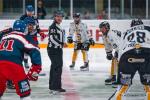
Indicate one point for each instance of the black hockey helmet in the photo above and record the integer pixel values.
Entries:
(105, 24)
(76, 15)
(135, 22)
(59, 13)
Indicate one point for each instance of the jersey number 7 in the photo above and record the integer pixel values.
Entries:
(6, 45)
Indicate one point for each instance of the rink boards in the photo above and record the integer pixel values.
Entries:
(93, 27)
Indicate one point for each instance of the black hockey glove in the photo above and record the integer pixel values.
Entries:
(109, 55)
(92, 42)
(69, 40)
(116, 54)
(86, 46)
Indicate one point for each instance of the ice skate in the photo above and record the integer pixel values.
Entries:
(85, 67)
(110, 80)
(72, 66)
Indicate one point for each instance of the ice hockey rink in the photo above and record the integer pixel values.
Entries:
(87, 85)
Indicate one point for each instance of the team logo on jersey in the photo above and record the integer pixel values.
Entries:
(52, 31)
(24, 86)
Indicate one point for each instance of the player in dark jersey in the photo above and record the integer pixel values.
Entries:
(30, 13)
(134, 55)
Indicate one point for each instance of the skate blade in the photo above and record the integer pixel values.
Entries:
(71, 68)
(108, 83)
(52, 93)
(84, 69)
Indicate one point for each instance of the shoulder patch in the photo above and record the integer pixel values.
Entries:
(52, 30)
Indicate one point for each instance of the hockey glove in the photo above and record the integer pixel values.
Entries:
(92, 42)
(34, 72)
(116, 54)
(43, 36)
(86, 46)
(69, 40)
(109, 55)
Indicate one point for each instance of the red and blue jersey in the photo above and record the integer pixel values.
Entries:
(14, 45)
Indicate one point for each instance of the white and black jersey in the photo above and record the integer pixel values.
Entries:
(136, 36)
(79, 32)
(56, 36)
(111, 40)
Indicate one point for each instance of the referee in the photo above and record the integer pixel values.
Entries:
(55, 53)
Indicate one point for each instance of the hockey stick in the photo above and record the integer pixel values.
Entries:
(112, 95)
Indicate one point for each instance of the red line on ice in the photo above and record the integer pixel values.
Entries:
(67, 82)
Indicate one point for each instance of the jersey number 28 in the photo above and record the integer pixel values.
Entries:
(139, 35)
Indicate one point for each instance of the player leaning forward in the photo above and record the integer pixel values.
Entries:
(78, 33)
(111, 39)
(12, 48)
(134, 55)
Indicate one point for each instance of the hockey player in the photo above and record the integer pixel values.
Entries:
(134, 55)
(78, 33)
(10, 85)
(111, 40)
(12, 48)
(30, 13)
(31, 27)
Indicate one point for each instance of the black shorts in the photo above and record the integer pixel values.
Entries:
(130, 62)
(80, 46)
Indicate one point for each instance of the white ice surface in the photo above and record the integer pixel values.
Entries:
(79, 85)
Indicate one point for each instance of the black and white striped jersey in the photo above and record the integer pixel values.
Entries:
(56, 36)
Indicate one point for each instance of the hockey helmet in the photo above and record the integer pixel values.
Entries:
(136, 22)
(19, 25)
(59, 13)
(76, 15)
(105, 24)
(29, 8)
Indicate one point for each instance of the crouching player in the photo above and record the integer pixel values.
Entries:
(111, 39)
(10, 85)
(134, 55)
(12, 48)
